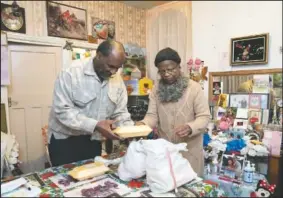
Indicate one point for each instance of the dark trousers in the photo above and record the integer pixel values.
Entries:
(73, 149)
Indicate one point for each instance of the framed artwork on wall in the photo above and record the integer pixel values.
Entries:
(66, 21)
(13, 19)
(249, 50)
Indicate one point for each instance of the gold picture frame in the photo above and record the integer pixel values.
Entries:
(249, 50)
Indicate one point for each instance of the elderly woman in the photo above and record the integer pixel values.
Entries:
(178, 108)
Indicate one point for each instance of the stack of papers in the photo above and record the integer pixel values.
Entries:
(19, 188)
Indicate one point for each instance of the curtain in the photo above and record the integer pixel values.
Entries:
(168, 25)
(232, 83)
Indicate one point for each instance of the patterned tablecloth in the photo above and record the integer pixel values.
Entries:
(56, 183)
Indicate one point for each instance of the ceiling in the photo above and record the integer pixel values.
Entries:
(145, 4)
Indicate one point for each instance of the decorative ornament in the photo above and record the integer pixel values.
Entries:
(197, 71)
(68, 45)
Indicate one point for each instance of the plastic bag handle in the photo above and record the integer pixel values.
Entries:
(171, 168)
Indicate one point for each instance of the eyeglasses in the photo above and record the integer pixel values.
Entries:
(169, 71)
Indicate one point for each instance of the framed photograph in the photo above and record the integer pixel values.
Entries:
(66, 21)
(242, 113)
(239, 100)
(249, 50)
(254, 101)
(102, 29)
(232, 165)
(240, 123)
(255, 114)
(13, 21)
(216, 88)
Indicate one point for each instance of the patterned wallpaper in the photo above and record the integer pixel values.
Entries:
(130, 21)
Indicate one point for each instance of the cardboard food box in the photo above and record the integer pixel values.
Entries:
(133, 131)
(88, 171)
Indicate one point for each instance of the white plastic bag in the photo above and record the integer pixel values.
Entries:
(166, 168)
(133, 163)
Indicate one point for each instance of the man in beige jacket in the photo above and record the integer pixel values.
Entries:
(178, 108)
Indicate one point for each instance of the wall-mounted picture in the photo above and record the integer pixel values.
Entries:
(66, 21)
(249, 50)
(13, 19)
(103, 29)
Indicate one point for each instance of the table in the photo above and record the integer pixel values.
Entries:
(51, 188)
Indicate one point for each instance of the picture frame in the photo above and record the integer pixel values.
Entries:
(216, 88)
(242, 100)
(10, 22)
(66, 21)
(249, 50)
(255, 113)
(239, 100)
(240, 123)
(232, 165)
(254, 101)
(102, 29)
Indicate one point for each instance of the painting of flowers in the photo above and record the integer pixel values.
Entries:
(249, 50)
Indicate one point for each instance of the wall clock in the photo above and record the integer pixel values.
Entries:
(11, 20)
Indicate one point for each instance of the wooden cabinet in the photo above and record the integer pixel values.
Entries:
(273, 169)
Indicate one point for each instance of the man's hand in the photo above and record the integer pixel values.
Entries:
(105, 127)
(183, 131)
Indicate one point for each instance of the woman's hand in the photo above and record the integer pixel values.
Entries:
(183, 131)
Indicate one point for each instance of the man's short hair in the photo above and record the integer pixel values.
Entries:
(167, 54)
(106, 47)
